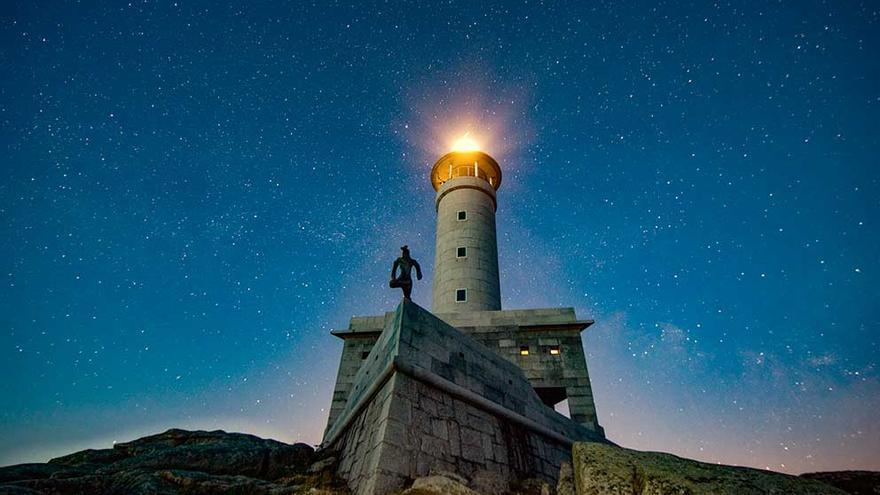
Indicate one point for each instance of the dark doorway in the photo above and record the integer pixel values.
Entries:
(551, 395)
(555, 398)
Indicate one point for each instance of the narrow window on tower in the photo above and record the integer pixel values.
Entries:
(462, 216)
(461, 295)
(461, 252)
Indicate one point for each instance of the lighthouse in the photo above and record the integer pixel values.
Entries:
(466, 255)
(468, 388)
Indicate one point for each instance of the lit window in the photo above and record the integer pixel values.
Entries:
(462, 216)
(461, 295)
(554, 350)
(523, 350)
(461, 252)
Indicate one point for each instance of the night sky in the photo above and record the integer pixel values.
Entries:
(194, 195)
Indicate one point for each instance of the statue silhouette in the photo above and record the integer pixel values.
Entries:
(404, 281)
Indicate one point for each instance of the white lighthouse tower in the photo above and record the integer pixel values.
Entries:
(466, 388)
(466, 256)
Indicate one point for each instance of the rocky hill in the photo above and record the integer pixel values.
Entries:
(174, 462)
(216, 462)
(853, 482)
(606, 469)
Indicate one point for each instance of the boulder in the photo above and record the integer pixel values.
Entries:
(530, 486)
(438, 485)
(601, 469)
(565, 485)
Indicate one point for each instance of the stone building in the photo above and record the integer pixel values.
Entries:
(468, 388)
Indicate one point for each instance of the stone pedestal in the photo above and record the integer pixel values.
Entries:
(428, 398)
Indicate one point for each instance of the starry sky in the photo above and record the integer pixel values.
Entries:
(195, 194)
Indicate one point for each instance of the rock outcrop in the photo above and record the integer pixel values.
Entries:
(853, 482)
(439, 485)
(178, 462)
(608, 470)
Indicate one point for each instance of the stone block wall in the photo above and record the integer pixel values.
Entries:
(503, 332)
(430, 399)
(412, 430)
(564, 372)
(354, 353)
(360, 447)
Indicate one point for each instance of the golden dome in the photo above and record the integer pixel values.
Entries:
(466, 164)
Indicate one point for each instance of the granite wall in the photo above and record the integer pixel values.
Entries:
(429, 399)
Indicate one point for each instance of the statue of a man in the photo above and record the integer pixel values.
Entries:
(404, 281)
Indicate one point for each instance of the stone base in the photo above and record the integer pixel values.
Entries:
(430, 399)
(554, 376)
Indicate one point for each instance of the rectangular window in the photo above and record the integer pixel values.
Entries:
(462, 216)
(461, 252)
(554, 350)
(364, 354)
(461, 295)
(523, 350)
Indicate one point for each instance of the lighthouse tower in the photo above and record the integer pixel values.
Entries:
(466, 255)
(467, 387)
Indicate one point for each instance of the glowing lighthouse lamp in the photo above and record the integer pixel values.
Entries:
(466, 256)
